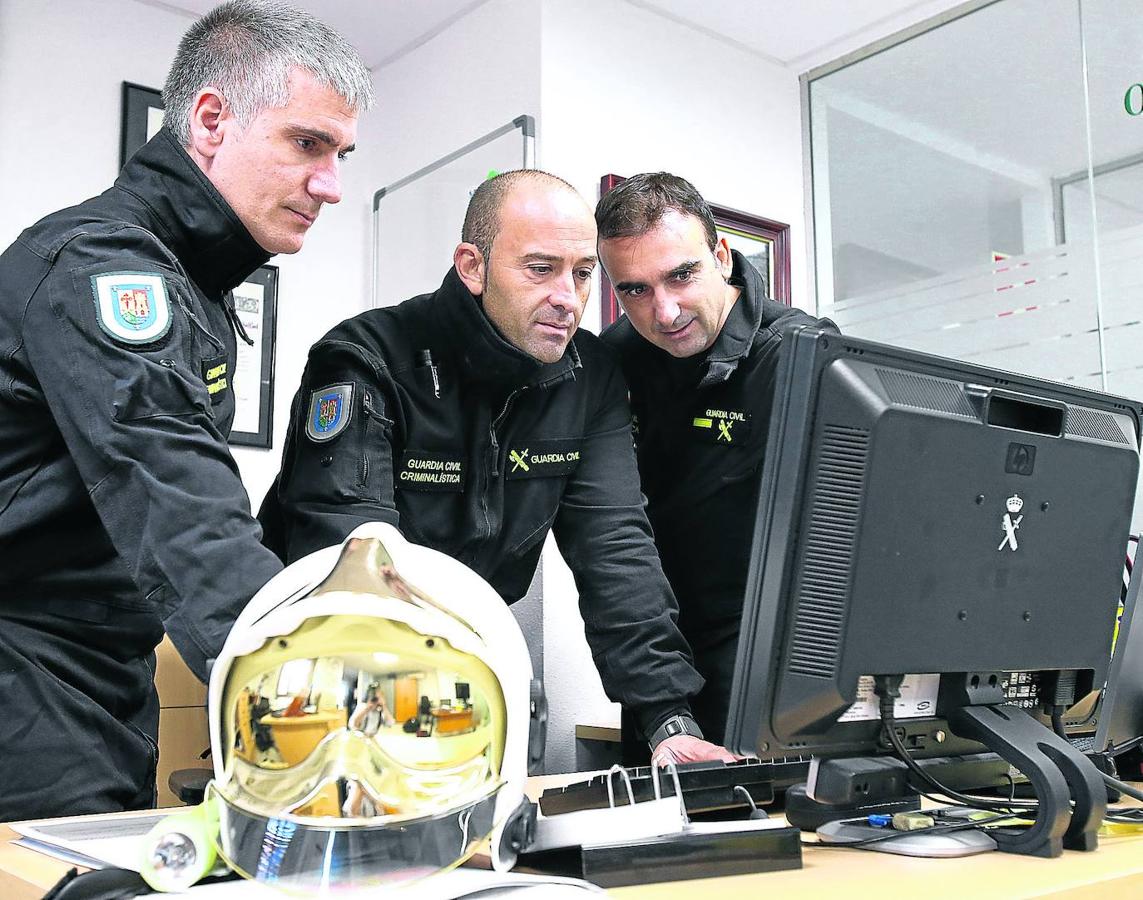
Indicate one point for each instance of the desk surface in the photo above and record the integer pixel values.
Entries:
(1113, 872)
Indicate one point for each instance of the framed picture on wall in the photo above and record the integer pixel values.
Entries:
(256, 302)
(764, 242)
(142, 117)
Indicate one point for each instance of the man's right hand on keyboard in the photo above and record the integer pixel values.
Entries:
(684, 748)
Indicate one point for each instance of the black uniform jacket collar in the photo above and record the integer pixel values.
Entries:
(737, 334)
(188, 214)
(481, 350)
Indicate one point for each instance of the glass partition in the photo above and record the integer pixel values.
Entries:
(977, 189)
(1113, 37)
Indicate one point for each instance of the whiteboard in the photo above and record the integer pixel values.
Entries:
(417, 220)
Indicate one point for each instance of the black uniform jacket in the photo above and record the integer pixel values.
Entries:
(422, 415)
(701, 427)
(117, 490)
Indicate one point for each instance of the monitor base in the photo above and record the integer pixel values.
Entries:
(960, 843)
(1059, 773)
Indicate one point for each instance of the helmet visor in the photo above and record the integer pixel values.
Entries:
(308, 858)
(322, 726)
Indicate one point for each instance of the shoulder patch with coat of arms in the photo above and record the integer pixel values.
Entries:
(329, 412)
(132, 307)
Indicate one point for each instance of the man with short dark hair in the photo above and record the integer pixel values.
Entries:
(476, 419)
(121, 510)
(699, 345)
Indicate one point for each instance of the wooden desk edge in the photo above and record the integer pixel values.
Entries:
(1114, 871)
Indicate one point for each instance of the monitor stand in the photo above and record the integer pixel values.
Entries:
(1059, 773)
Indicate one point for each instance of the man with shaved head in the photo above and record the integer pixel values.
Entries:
(476, 419)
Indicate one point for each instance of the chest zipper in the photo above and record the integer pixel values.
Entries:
(492, 433)
(371, 412)
(494, 469)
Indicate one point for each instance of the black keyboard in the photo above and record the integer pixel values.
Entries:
(707, 787)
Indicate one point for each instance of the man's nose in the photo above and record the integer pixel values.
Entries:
(666, 311)
(325, 183)
(564, 296)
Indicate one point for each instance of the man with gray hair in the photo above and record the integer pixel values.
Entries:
(121, 510)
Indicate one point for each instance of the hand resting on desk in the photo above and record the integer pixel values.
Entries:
(685, 748)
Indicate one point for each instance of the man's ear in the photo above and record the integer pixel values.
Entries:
(725, 260)
(210, 119)
(469, 262)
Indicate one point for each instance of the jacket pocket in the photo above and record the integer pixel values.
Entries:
(741, 473)
(157, 388)
(376, 431)
(534, 537)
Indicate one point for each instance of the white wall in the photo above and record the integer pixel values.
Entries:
(61, 72)
(476, 75)
(627, 91)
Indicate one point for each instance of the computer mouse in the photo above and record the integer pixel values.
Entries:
(99, 884)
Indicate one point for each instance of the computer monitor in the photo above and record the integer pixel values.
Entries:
(1121, 718)
(929, 518)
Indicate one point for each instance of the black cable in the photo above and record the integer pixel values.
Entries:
(1021, 806)
(1128, 815)
(942, 798)
(892, 834)
(1007, 809)
(889, 722)
(886, 693)
(739, 789)
(1122, 786)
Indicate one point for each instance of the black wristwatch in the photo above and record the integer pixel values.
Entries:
(681, 724)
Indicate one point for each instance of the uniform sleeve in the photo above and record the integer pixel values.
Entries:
(111, 342)
(628, 609)
(337, 466)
